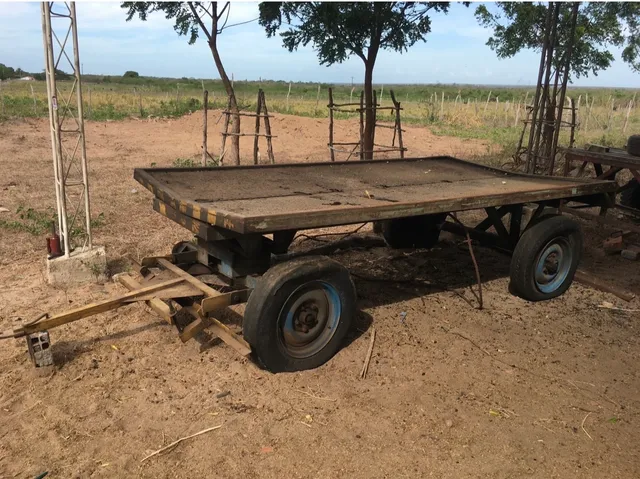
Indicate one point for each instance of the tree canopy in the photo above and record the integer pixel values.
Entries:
(338, 30)
(519, 26)
(189, 19)
(341, 29)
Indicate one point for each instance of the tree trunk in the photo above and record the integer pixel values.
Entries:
(369, 119)
(233, 153)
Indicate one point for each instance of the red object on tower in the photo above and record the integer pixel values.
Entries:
(53, 243)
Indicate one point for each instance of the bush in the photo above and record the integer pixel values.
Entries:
(131, 74)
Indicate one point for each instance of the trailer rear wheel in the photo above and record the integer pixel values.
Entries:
(630, 196)
(414, 231)
(545, 259)
(633, 145)
(299, 313)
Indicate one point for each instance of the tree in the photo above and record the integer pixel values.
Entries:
(131, 74)
(190, 18)
(519, 26)
(339, 30)
(6, 72)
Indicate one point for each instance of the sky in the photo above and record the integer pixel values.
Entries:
(455, 51)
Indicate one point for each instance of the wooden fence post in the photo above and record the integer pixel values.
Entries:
(35, 104)
(333, 155)
(626, 119)
(317, 100)
(362, 125)
(267, 128)
(256, 146)
(398, 124)
(487, 103)
(204, 128)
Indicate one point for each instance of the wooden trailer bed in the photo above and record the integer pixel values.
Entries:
(272, 198)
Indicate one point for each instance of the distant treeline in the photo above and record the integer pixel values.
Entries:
(404, 92)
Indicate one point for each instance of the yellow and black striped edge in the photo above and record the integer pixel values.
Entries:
(187, 208)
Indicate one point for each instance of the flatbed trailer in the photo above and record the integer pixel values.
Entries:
(298, 310)
(607, 164)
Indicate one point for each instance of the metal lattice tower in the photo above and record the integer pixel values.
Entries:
(67, 125)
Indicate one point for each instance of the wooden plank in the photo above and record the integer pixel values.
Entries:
(345, 216)
(590, 280)
(210, 304)
(179, 291)
(612, 158)
(193, 329)
(208, 290)
(161, 308)
(95, 308)
(223, 332)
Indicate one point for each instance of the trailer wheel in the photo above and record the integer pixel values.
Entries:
(546, 258)
(299, 313)
(633, 145)
(631, 195)
(414, 231)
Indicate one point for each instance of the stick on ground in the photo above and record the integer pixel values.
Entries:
(582, 426)
(175, 443)
(367, 360)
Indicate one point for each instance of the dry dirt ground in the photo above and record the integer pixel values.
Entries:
(514, 390)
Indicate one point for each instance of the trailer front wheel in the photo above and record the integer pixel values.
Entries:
(545, 259)
(299, 313)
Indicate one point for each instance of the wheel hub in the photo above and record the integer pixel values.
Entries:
(553, 265)
(309, 318)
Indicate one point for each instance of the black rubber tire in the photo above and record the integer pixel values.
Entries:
(531, 244)
(414, 231)
(631, 196)
(261, 326)
(633, 145)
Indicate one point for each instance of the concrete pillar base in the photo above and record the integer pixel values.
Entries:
(80, 267)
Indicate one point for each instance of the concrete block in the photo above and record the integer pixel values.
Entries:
(80, 267)
(613, 245)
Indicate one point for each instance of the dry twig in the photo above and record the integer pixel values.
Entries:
(473, 258)
(367, 360)
(607, 305)
(582, 426)
(175, 443)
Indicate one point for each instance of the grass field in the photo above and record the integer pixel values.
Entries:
(605, 116)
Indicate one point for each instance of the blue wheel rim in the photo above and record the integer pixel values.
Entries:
(553, 265)
(309, 319)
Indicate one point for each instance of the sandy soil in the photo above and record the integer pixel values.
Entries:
(514, 390)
